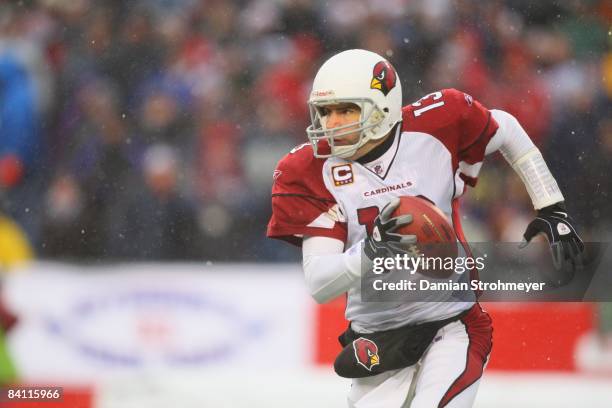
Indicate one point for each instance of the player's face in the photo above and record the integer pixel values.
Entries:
(343, 114)
(339, 115)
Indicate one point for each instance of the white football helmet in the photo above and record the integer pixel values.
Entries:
(365, 79)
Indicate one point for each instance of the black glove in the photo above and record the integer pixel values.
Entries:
(565, 243)
(384, 242)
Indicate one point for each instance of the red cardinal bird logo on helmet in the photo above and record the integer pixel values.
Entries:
(383, 77)
(366, 353)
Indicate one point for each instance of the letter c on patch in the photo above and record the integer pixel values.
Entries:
(342, 174)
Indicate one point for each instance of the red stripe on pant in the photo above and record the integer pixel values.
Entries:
(480, 332)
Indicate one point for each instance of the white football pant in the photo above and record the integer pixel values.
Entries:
(447, 375)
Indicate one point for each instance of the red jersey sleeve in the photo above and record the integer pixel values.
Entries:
(463, 124)
(301, 204)
(476, 123)
(477, 128)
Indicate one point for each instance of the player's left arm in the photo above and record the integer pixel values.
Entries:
(552, 218)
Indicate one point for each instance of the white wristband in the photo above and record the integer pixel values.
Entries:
(539, 181)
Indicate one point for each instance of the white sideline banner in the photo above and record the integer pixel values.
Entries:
(85, 323)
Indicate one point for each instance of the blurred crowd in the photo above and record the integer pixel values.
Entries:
(149, 129)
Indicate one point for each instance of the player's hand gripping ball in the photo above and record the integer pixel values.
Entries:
(435, 236)
(415, 227)
(386, 240)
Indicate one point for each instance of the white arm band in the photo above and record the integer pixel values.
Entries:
(329, 272)
(525, 158)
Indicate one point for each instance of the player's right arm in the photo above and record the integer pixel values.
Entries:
(330, 272)
(304, 213)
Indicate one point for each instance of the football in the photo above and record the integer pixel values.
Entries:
(435, 234)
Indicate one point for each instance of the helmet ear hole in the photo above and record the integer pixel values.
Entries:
(386, 110)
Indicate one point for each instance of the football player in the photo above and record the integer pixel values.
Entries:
(334, 196)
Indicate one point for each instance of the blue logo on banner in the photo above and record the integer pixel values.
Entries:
(142, 327)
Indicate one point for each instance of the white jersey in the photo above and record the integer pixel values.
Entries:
(435, 152)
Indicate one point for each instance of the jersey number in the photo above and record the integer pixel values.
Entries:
(366, 217)
(434, 97)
